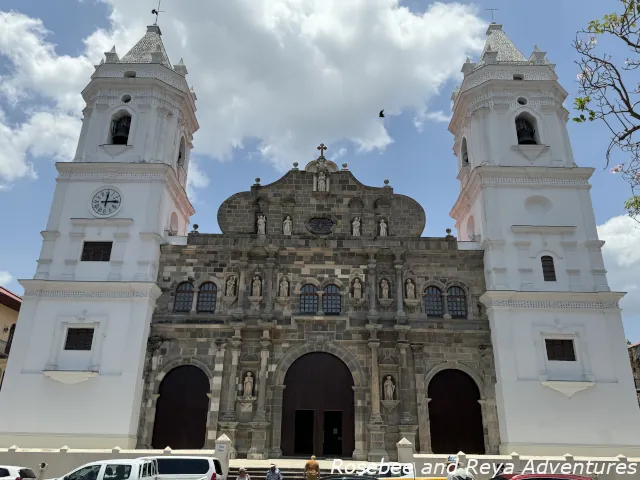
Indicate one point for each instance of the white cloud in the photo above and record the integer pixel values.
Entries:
(622, 259)
(5, 278)
(196, 179)
(290, 73)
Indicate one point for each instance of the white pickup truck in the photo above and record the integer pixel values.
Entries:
(150, 468)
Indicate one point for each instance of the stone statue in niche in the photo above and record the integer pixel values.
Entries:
(411, 289)
(384, 288)
(231, 286)
(284, 287)
(383, 228)
(287, 226)
(262, 225)
(389, 388)
(356, 227)
(357, 289)
(322, 182)
(248, 385)
(256, 286)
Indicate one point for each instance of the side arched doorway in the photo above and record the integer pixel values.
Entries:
(318, 407)
(181, 410)
(455, 415)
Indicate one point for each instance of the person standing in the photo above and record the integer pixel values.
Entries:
(456, 469)
(274, 473)
(243, 475)
(312, 469)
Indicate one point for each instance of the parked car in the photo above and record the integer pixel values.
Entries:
(188, 468)
(131, 469)
(9, 472)
(539, 476)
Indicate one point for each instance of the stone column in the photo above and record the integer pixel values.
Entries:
(261, 413)
(422, 401)
(377, 449)
(276, 433)
(400, 315)
(320, 307)
(405, 381)
(372, 317)
(230, 414)
(216, 391)
(445, 306)
(268, 285)
(241, 287)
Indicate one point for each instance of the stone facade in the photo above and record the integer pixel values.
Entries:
(634, 357)
(374, 336)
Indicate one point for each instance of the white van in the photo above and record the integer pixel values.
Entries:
(188, 468)
(132, 469)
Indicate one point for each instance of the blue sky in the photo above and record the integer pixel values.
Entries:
(418, 162)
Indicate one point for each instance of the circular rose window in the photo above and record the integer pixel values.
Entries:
(320, 226)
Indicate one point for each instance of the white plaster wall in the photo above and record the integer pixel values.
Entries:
(605, 414)
(95, 412)
(577, 255)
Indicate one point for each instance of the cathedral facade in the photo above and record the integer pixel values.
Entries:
(321, 321)
(326, 324)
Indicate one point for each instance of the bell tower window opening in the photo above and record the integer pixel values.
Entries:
(526, 129)
(548, 269)
(464, 153)
(181, 153)
(120, 128)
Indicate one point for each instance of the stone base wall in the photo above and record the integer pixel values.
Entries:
(425, 353)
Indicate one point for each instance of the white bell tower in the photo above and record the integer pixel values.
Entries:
(564, 382)
(75, 373)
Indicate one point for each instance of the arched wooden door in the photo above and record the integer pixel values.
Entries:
(181, 410)
(455, 414)
(318, 407)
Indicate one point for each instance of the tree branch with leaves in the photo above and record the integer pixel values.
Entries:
(610, 89)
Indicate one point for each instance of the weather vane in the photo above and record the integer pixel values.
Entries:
(492, 10)
(157, 11)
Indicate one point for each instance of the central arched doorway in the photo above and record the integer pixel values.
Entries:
(182, 409)
(318, 407)
(455, 415)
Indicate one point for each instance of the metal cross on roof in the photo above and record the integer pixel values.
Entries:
(322, 148)
(492, 10)
(157, 12)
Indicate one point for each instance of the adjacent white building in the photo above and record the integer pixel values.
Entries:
(564, 382)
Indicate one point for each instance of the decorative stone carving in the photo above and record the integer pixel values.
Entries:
(355, 227)
(287, 226)
(389, 388)
(246, 404)
(248, 386)
(383, 228)
(410, 290)
(357, 289)
(322, 182)
(262, 225)
(284, 287)
(231, 287)
(384, 289)
(256, 287)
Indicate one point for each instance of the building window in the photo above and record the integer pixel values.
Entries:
(207, 298)
(457, 302)
(464, 152)
(548, 269)
(309, 299)
(79, 339)
(184, 298)
(433, 304)
(560, 350)
(331, 300)
(96, 252)
(525, 128)
(120, 128)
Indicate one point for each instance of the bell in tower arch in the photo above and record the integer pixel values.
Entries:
(120, 130)
(526, 132)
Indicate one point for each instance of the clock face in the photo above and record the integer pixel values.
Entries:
(106, 202)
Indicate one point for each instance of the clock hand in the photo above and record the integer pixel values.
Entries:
(107, 199)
